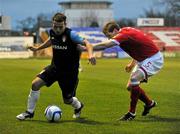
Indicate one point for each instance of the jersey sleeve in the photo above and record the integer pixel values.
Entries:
(76, 38)
(120, 37)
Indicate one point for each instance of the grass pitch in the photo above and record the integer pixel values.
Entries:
(102, 88)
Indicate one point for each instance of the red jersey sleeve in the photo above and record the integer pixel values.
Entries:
(120, 37)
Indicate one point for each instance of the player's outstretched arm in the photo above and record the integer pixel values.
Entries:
(103, 45)
(46, 44)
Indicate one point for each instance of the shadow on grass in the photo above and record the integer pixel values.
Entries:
(84, 121)
(150, 118)
(79, 120)
(164, 119)
(155, 118)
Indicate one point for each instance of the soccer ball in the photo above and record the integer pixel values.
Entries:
(53, 113)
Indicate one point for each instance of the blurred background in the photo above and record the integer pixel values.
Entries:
(24, 22)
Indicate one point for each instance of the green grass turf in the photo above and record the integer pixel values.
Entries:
(101, 88)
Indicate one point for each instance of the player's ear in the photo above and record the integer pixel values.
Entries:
(65, 23)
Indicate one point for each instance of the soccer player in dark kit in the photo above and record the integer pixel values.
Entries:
(63, 68)
(147, 61)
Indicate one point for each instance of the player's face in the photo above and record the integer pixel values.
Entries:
(59, 27)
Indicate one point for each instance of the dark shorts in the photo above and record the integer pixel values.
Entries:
(67, 81)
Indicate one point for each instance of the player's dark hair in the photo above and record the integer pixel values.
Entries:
(110, 26)
(59, 17)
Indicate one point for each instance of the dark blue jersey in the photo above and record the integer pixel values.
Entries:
(66, 53)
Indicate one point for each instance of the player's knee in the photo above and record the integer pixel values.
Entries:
(133, 79)
(129, 87)
(133, 82)
(68, 101)
(37, 83)
(35, 86)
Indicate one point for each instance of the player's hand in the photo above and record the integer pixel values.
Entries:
(128, 68)
(32, 48)
(82, 48)
(92, 60)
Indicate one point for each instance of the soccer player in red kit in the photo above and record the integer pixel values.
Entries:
(147, 61)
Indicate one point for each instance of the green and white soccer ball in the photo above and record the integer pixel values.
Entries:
(53, 113)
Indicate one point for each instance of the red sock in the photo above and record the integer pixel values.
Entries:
(144, 98)
(135, 93)
(138, 93)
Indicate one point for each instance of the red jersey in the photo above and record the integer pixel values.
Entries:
(134, 42)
